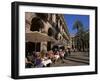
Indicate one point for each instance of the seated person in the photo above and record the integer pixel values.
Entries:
(28, 63)
(56, 55)
(62, 54)
(50, 54)
(46, 62)
(38, 60)
(46, 59)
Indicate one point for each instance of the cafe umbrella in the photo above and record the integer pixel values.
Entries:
(38, 37)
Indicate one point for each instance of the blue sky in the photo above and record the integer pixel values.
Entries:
(70, 19)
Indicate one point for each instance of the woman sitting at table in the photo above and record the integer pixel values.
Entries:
(56, 56)
(38, 60)
(50, 55)
(46, 60)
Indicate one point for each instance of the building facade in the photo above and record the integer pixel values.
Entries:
(80, 44)
(52, 25)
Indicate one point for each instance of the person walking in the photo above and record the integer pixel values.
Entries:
(69, 51)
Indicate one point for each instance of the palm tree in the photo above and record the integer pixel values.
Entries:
(79, 35)
(78, 25)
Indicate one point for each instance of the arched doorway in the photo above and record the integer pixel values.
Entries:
(36, 24)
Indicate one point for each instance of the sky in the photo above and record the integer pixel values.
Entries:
(71, 18)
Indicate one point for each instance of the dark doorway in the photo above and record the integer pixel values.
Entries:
(50, 33)
(30, 47)
(48, 46)
(36, 24)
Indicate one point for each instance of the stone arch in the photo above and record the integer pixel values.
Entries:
(36, 24)
(50, 32)
(43, 16)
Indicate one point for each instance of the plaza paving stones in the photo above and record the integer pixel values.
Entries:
(75, 59)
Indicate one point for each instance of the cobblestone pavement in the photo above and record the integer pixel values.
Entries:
(75, 59)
